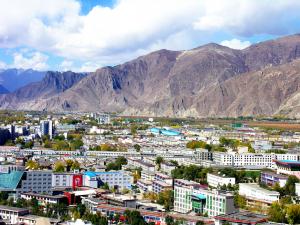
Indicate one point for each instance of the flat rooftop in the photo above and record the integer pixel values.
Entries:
(14, 209)
(243, 217)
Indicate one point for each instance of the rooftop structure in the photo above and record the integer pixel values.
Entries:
(241, 218)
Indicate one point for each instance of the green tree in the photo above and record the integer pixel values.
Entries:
(137, 147)
(158, 161)
(34, 206)
(293, 214)
(169, 220)
(75, 165)
(76, 144)
(105, 186)
(29, 144)
(59, 166)
(196, 144)
(133, 129)
(32, 165)
(69, 163)
(166, 198)
(277, 213)
(201, 223)
(47, 144)
(290, 185)
(239, 201)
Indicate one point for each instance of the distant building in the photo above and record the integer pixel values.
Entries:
(258, 197)
(120, 179)
(46, 128)
(288, 167)
(17, 182)
(167, 167)
(12, 214)
(271, 178)
(4, 136)
(262, 145)
(191, 196)
(36, 220)
(67, 180)
(45, 199)
(164, 131)
(103, 119)
(218, 180)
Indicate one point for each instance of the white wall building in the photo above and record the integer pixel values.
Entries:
(218, 180)
(254, 192)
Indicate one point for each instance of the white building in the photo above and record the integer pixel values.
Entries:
(218, 180)
(121, 179)
(62, 180)
(251, 159)
(191, 196)
(254, 192)
(46, 128)
(12, 214)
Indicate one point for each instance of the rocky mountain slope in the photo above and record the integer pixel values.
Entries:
(3, 90)
(211, 80)
(52, 84)
(13, 79)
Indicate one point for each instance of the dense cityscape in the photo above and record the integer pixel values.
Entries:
(97, 168)
(144, 112)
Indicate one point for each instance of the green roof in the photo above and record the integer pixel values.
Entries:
(10, 180)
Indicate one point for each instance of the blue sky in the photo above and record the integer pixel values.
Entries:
(83, 35)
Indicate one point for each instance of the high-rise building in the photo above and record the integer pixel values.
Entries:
(46, 128)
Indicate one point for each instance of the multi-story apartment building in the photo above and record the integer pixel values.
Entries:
(66, 180)
(251, 159)
(212, 202)
(147, 175)
(271, 178)
(160, 186)
(167, 167)
(258, 197)
(202, 154)
(45, 199)
(12, 214)
(183, 191)
(46, 128)
(120, 179)
(288, 167)
(218, 180)
(163, 177)
(138, 163)
(36, 181)
(144, 185)
(191, 196)
(161, 182)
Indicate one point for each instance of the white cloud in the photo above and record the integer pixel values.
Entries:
(88, 67)
(250, 17)
(236, 43)
(35, 60)
(3, 65)
(134, 27)
(66, 65)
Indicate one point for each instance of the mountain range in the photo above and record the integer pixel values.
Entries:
(208, 81)
(12, 79)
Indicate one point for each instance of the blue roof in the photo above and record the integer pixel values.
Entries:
(94, 174)
(165, 131)
(10, 180)
(200, 196)
(289, 161)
